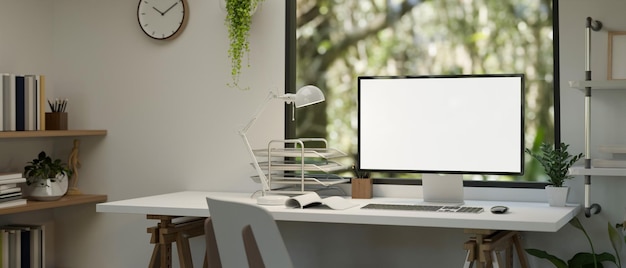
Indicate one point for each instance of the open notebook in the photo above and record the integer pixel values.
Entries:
(313, 199)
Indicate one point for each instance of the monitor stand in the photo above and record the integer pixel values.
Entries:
(443, 189)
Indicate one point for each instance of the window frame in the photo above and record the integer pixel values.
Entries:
(290, 87)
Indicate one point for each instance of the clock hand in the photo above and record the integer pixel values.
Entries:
(159, 11)
(169, 8)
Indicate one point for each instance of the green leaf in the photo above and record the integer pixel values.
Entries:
(555, 161)
(616, 241)
(576, 223)
(558, 263)
(586, 259)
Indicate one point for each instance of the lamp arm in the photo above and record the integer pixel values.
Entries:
(264, 183)
(243, 133)
(288, 98)
(259, 110)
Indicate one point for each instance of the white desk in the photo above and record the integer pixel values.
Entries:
(522, 216)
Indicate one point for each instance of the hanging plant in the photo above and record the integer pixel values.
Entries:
(238, 22)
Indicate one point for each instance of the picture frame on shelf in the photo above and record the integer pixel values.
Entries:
(616, 67)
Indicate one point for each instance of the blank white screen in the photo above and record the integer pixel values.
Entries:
(465, 124)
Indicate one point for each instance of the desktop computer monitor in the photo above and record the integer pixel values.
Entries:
(443, 124)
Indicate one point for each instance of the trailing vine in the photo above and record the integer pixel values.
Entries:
(238, 22)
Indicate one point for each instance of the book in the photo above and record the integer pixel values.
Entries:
(41, 93)
(1, 106)
(13, 203)
(4, 234)
(10, 175)
(9, 181)
(313, 199)
(25, 247)
(8, 88)
(30, 103)
(8, 186)
(14, 250)
(614, 149)
(11, 235)
(608, 163)
(42, 245)
(10, 190)
(10, 196)
(20, 102)
(36, 246)
(32, 244)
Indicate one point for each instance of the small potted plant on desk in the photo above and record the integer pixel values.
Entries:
(361, 184)
(556, 163)
(46, 180)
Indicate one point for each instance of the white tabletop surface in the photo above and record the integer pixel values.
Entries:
(521, 216)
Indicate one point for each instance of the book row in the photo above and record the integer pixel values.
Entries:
(22, 102)
(10, 189)
(22, 246)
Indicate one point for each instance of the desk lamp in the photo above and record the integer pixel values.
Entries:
(305, 96)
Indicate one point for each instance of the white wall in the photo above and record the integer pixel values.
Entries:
(172, 122)
(164, 103)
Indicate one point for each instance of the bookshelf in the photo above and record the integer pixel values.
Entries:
(50, 133)
(68, 200)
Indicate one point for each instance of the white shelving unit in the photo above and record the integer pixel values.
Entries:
(588, 170)
(293, 168)
(586, 86)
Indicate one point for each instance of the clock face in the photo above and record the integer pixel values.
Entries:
(162, 19)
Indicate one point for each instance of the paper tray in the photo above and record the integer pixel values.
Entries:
(297, 152)
(286, 180)
(327, 167)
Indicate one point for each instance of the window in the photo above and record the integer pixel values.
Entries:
(331, 43)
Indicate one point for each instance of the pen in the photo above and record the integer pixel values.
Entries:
(59, 106)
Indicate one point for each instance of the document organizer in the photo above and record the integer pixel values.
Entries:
(292, 168)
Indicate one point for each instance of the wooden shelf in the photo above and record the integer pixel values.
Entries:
(51, 133)
(63, 202)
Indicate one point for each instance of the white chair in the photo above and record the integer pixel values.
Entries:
(247, 236)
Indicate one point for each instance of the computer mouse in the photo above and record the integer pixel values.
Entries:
(499, 209)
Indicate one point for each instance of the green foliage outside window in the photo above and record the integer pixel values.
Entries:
(337, 41)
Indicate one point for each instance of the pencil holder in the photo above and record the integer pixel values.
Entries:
(362, 188)
(56, 121)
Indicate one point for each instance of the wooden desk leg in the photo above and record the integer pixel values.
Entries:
(470, 257)
(162, 253)
(521, 254)
(184, 254)
(167, 232)
(155, 260)
(490, 247)
(482, 259)
(508, 256)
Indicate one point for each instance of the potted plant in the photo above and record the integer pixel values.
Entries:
(361, 184)
(238, 21)
(46, 179)
(586, 259)
(556, 163)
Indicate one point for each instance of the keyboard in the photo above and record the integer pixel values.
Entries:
(434, 208)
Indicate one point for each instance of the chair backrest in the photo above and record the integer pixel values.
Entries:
(233, 221)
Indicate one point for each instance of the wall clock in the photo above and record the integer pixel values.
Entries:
(162, 19)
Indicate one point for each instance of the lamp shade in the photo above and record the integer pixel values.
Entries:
(308, 95)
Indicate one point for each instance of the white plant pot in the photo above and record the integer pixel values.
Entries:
(557, 196)
(47, 191)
